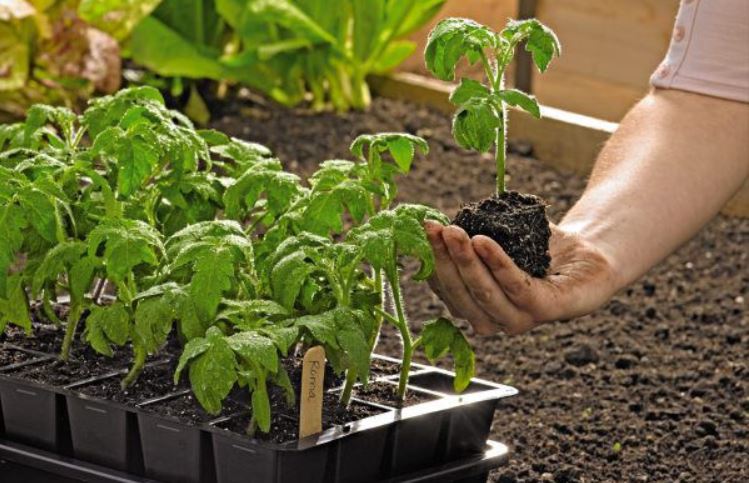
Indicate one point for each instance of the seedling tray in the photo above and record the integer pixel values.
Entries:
(31, 464)
(138, 442)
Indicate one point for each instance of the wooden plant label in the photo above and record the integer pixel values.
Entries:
(313, 371)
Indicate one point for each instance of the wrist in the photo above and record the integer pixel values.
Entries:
(611, 271)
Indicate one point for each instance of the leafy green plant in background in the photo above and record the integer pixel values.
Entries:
(288, 49)
(481, 119)
(206, 239)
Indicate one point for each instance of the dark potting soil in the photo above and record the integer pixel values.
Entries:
(381, 368)
(387, 394)
(285, 420)
(84, 363)
(188, 410)
(43, 338)
(517, 222)
(662, 369)
(155, 380)
(10, 356)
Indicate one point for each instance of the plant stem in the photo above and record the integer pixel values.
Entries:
(405, 335)
(139, 361)
(501, 151)
(351, 375)
(73, 318)
(49, 311)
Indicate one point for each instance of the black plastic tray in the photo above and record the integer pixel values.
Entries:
(30, 465)
(133, 440)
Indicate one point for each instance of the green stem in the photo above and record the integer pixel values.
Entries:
(49, 311)
(139, 361)
(351, 376)
(73, 318)
(501, 151)
(405, 336)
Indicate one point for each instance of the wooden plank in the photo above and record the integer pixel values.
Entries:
(610, 48)
(563, 139)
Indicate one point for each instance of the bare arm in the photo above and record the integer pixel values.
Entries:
(675, 160)
(673, 163)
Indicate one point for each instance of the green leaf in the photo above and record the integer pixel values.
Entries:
(541, 41)
(56, 262)
(153, 322)
(81, 276)
(213, 372)
(522, 100)
(107, 325)
(165, 51)
(401, 146)
(279, 187)
(322, 327)
(325, 208)
(116, 17)
(41, 210)
(468, 90)
(192, 349)
(283, 337)
(475, 125)
(353, 342)
(397, 232)
(255, 348)
(394, 54)
(281, 379)
(439, 337)
(128, 243)
(452, 39)
(214, 272)
(287, 278)
(14, 308)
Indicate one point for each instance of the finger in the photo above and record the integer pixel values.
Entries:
(479, 281)
(513, 280)
(443, 268)
(455, 294)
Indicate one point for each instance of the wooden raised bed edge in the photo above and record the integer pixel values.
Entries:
(564, 140)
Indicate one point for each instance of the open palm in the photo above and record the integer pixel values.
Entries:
(479, 282)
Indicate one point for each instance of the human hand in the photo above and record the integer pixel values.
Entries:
(479, 282)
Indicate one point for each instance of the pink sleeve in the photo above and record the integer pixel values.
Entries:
(709, 51)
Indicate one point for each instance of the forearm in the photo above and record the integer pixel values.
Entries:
(669, 168)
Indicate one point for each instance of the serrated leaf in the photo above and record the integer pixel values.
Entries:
(522, 100)
(355, 345)
(287, 278)
(56, 262)
(153, 322)
(453, 38)
(128, 243)
(192, 349)
(283, 337)
(541, 41)
(255, 348)
(213, 372)
(467, 90)
(41, 211)
(322, 327)
(107, 325)
(440, 337)
(213, 275)
(15, 307)
(475, 125)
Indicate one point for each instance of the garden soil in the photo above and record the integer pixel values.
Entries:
(652, 387)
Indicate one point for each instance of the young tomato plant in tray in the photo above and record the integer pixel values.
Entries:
(208, 238)
(516, 221)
